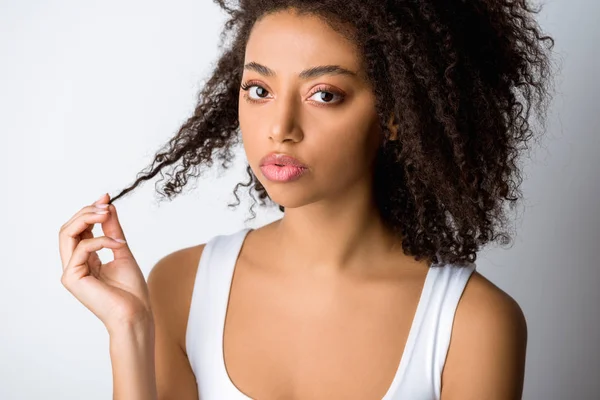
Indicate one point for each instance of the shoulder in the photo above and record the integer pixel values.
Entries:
(175, 265)
(486, 356)
(170, 283)
(484, 302)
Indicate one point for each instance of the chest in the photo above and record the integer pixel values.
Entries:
(316, 339)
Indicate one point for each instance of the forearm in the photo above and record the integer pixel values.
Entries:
(132, 357)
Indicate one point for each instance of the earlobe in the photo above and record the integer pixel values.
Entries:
(393, 127)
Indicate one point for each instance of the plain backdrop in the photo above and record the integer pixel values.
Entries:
(89, 90)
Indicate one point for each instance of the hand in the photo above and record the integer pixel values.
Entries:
(116, 292)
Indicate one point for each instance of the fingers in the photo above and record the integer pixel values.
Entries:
(94, 262)
(112, 228)
(91, 207)
(88, 246)
(84, 210)
(103, 199)
(70, 234)
(83, 222)
(77, 277)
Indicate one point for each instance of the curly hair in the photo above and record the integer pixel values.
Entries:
(459, 77)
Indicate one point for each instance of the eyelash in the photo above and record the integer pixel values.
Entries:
(321, 88)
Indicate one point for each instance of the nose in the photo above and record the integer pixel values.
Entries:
(284, 121)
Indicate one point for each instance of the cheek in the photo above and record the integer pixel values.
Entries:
(343, 155)
(246, 127)
(348, 139)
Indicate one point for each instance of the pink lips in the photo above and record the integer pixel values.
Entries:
(281, 167)
(286, 173)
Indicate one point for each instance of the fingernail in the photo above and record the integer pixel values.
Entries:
(101, 212)
(100, 198)
(101, 205)
(118, 240)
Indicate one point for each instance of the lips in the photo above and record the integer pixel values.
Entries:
(280, 159)
(286, 173)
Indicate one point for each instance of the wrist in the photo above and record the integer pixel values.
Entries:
(133, 360)
(141, 325)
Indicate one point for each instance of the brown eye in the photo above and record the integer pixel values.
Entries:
(260, 91)
(324, 95)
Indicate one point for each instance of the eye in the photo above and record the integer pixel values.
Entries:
(261, 91)
(326, 95)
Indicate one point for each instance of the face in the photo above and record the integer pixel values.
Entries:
(327, 121)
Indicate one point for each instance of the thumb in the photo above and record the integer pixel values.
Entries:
(112, 228)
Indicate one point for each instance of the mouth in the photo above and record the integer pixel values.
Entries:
(281, 160)
(282, 172)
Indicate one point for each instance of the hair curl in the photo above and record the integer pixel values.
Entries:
(460, 78)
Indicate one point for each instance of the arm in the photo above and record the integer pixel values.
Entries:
(145, 320)
(170, 285)
(486, 357)
(132, 356)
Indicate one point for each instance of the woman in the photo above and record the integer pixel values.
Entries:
(387, 132)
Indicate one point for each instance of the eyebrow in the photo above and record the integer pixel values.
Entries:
(309, 73)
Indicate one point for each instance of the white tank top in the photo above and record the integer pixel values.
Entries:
(418, 376)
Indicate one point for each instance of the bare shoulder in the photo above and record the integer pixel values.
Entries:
(486, 357)
(170, 286)
(171, 282)
(483, 301)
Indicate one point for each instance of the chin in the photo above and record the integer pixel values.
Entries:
(286, 198)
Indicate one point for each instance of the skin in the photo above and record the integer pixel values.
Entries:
(115, 292)
(329, 209)
(330, 263)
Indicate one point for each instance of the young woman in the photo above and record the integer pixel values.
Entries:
(388, 133)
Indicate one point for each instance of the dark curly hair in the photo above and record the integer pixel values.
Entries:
(460, 78)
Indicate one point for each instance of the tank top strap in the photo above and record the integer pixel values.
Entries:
(452, 283)
(208, 306)
(445, 288)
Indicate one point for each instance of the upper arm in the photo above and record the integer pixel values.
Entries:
(170, 285)
(486, 357)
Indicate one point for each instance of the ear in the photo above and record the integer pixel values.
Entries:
(393, 128)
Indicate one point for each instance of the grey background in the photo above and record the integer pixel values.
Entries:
(88, 92)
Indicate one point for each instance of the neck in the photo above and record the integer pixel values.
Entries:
(329, 237)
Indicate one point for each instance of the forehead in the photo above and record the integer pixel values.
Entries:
(288, 43)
